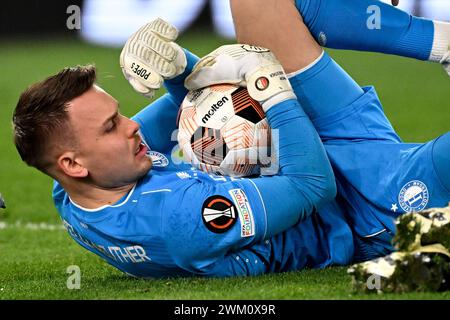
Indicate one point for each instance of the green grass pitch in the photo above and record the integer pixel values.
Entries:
(35, 252)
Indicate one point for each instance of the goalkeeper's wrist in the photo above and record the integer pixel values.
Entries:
(191, 60)
(279, 98)
(175, 86)
(269, 85)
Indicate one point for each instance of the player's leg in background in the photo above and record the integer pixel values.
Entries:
(321, 86)
(372, 25)
(275, 25)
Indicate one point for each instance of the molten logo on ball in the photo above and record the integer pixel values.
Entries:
(222, 130)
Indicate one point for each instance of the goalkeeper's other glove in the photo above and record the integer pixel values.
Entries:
(151, 56)
(244, 65)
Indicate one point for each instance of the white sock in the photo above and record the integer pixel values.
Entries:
(441, 41)
(312, 64)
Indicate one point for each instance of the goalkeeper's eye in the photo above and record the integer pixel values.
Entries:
(113, 125)
(111, 128)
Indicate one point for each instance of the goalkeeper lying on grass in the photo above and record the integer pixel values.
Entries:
(146, 214)
(149, 218)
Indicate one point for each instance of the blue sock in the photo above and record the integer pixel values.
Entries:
(352, 25)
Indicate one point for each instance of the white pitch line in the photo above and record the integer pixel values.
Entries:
(31, 226)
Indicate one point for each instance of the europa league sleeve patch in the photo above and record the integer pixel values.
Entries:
(219, 214)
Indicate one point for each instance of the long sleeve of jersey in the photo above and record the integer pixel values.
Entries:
(306, 180)
(216, 228)
(158, 119)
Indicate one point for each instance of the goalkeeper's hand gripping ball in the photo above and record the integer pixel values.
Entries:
(248, 66)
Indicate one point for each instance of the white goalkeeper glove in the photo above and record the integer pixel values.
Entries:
(441, 45)
(244, 65)
(151, 56)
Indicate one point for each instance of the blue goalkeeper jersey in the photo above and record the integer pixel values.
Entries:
(160, 229)
(178, 221)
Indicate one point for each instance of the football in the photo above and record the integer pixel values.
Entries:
(222, 130)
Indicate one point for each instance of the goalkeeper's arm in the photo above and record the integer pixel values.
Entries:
(305, 180)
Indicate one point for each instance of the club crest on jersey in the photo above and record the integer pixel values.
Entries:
(413, 196)
(219, 214)
(158, 159)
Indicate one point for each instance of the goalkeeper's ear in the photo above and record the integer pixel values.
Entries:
(68, 163)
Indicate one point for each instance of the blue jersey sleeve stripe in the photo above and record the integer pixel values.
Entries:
(155, 191)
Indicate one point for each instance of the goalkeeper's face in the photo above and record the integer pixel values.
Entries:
(109, 148)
